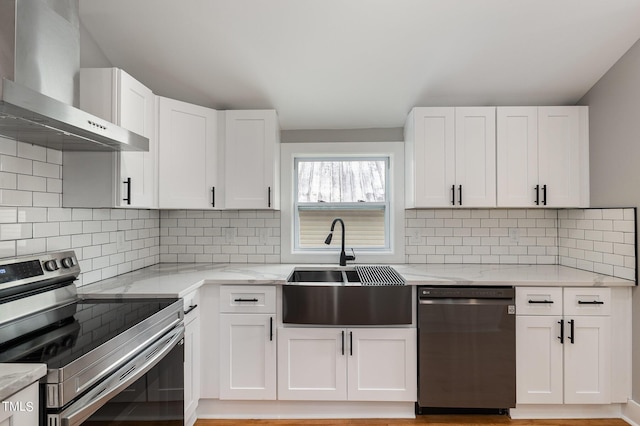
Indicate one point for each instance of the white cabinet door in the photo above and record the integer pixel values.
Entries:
(517, 156)
(543, 156)
(191, 365)
(475, 157)
(138, 175)
(587, 362)
(382, 364)
(430, 157)
(247, 357)
(252, 160)
(450, 157)
(539, 378)
(21, 408)
(563, 155)
(187, 138)
(312, 364)
(114, 179)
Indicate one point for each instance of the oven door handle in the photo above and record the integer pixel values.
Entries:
(82, 409)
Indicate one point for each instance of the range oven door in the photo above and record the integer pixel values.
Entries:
(148, 389)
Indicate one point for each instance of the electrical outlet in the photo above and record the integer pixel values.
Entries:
(514, 235)
(263, 234)
(120, 244)
(230, 235)
(415, 237)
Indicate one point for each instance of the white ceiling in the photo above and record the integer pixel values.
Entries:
(335, 64)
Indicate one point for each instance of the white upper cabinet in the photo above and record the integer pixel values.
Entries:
(543, 156)
(187, 139)
(251, 160)
(450, 157)
(114, 179)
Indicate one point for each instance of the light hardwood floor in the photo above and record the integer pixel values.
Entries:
(433, 420)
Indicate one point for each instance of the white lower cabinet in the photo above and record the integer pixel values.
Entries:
(191, 357)
(355, 364)
(21, 408)
(563, 345)
(247, 343)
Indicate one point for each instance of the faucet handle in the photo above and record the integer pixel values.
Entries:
(351, 256)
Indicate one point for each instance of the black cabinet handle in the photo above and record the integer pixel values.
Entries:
(540, 301)
(342, 342)
(537, 188)
(245, 300)
(271, 329)
(269, 198)
(561, 336)
(594, 302)
(351, 343)
(128, 183)
(213, 196)
(571, 322)
(460, 195)
(544, 195)
(189, 309)
(453, 195)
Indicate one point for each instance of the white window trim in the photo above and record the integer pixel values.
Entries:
(393, 150)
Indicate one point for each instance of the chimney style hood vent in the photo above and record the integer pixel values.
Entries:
(40, 68)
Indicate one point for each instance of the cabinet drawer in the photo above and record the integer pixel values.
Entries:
(538, 300)
(587, 301)
(247, 299)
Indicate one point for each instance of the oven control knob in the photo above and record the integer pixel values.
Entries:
(51, 265)
(67, 262)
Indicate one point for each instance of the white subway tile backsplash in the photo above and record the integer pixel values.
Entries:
(32, 152)
(7, 248)
(15, 231)
(31, 246)
(46, 199)
(9, 197)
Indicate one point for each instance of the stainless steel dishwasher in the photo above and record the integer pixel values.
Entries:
(466, 348)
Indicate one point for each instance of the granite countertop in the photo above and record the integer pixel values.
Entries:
(15, 377)
(178, 280)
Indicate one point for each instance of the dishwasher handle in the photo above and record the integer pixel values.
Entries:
(466, 301)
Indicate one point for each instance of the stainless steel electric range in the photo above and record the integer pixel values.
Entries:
(117, 361)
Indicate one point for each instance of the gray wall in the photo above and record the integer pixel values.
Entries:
(614, 131)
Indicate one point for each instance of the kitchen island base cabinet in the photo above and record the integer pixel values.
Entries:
(354, 364)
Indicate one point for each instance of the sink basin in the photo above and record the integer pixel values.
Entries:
(335, 296)
(335, 275)
(317, 276)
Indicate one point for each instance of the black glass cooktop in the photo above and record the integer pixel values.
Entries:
(69, 332)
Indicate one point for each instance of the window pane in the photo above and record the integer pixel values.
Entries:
(341, 181)
(364, 228)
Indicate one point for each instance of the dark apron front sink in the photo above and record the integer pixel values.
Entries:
(346, 304)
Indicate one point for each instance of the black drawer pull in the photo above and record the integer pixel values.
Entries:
(594, 302)
(245, 300)
(189, 309)
(541, 301)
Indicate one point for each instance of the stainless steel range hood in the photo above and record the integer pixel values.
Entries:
(39, 94)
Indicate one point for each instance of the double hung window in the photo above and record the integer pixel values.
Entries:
(354, 189)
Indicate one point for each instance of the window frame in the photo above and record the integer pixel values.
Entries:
(393, 151)
(354, 206)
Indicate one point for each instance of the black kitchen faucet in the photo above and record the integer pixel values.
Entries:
(343, 255)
